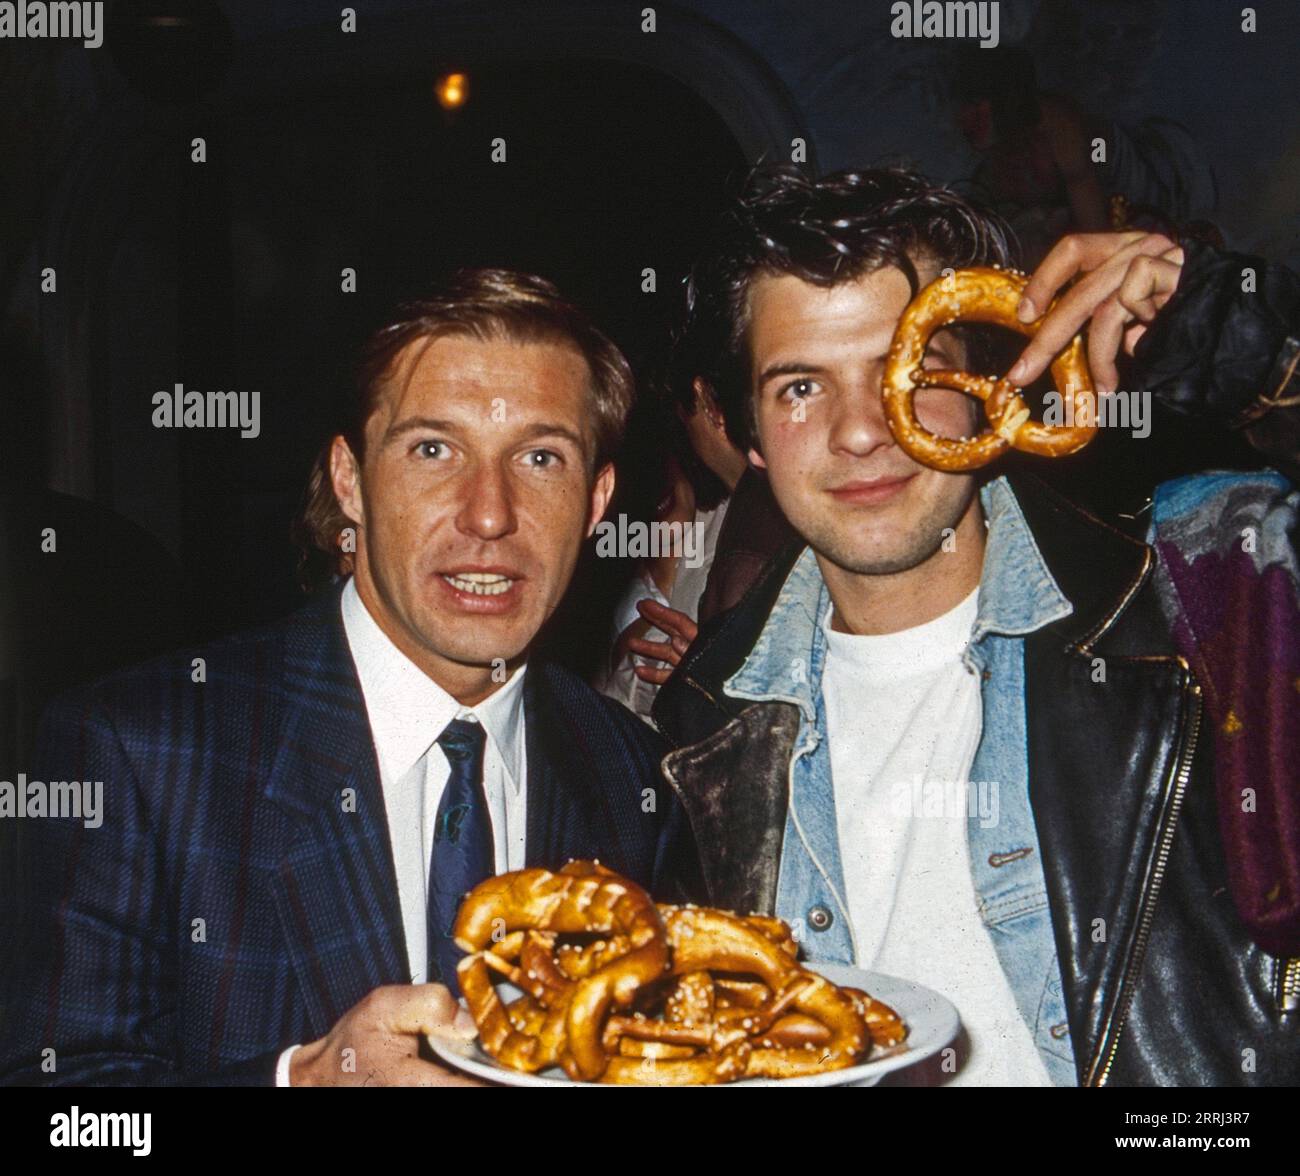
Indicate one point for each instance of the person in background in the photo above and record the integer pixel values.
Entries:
(1038, 155)
(688, 503)
(707, 483)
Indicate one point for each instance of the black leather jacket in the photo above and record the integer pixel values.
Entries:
(1121, 780)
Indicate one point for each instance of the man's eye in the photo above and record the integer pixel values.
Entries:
(543, 459)
(437, 450)
(799, 389)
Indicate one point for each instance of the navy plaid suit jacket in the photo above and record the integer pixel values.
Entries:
(240, 894)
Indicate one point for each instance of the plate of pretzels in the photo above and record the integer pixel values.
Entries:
(578, 977)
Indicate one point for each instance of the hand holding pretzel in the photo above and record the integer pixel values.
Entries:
(989, 296)
(1120, 282)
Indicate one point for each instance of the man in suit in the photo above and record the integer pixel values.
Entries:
(290, 816)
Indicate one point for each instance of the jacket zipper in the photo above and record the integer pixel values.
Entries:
(1147, 911)
(1288, 987)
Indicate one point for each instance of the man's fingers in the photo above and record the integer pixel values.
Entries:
(672, 621)
(656, 674)
(1132, 335)
(658, 650)
(459, 1028)
(1072, 255)
(1105, 333)
(1078, 304)
(1057, 329)
(638, 628)
(1065, 320)
(1149, 283)
(1147, 291)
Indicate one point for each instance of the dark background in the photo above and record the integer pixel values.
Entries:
(327, 150)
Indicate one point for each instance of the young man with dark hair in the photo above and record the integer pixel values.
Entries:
(972, 735)
(268, 894)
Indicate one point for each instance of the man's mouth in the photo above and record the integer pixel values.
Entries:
(869, 491)
(479, 583)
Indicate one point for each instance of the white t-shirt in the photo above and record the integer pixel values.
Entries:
(903, 716)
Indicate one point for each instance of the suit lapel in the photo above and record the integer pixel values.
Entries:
(545, 796)
(568, 810)
(335, 888)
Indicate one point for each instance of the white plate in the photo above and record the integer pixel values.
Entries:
(931, 1020)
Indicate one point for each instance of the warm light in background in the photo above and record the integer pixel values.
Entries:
(452, 90)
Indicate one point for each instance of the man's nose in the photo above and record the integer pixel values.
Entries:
(487, 509)
(858, 424)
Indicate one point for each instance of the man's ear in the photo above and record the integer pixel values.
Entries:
(602, 490)
(345, 476)
(756, 459)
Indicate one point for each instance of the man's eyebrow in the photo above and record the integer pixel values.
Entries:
(411, 424)
(793, 367)
(442, 425)
(553, 429)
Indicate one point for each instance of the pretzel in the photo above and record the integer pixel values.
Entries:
(526, 1034)
(667, 995)
(885, 1026)
(988, 296)
(583, 898)
(726, 942)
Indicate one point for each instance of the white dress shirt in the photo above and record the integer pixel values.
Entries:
(407, 712)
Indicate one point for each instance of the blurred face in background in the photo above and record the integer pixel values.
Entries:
(975, 120)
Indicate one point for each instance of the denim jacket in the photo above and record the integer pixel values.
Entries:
(1017, 595)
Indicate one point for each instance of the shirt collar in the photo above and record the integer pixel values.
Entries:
(502, 716)
(408, 710)
(1017, 595)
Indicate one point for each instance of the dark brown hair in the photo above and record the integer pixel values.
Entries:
(485, 304)
(824, 231)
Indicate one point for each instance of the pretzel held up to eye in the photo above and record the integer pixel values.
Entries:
(988, 296)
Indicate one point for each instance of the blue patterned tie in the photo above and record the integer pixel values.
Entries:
(462, 855)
